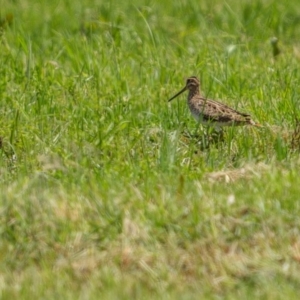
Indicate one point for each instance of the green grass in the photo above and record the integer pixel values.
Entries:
(103, 192)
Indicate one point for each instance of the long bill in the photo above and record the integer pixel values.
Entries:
(180, 92)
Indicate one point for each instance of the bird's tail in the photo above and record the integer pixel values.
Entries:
(251, 122)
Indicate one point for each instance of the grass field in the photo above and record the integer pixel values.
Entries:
(107, 191)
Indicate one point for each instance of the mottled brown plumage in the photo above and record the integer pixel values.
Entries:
(211, 112)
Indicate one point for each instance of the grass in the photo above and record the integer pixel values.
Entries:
(107, 190)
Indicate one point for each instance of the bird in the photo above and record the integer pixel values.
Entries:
(211, 112)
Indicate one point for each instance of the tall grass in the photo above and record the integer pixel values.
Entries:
(109, 191)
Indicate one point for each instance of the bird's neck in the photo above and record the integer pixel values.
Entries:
(193, 92)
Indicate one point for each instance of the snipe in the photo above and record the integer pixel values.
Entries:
(211, 112)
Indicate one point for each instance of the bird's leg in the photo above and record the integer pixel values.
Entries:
(216, 134)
